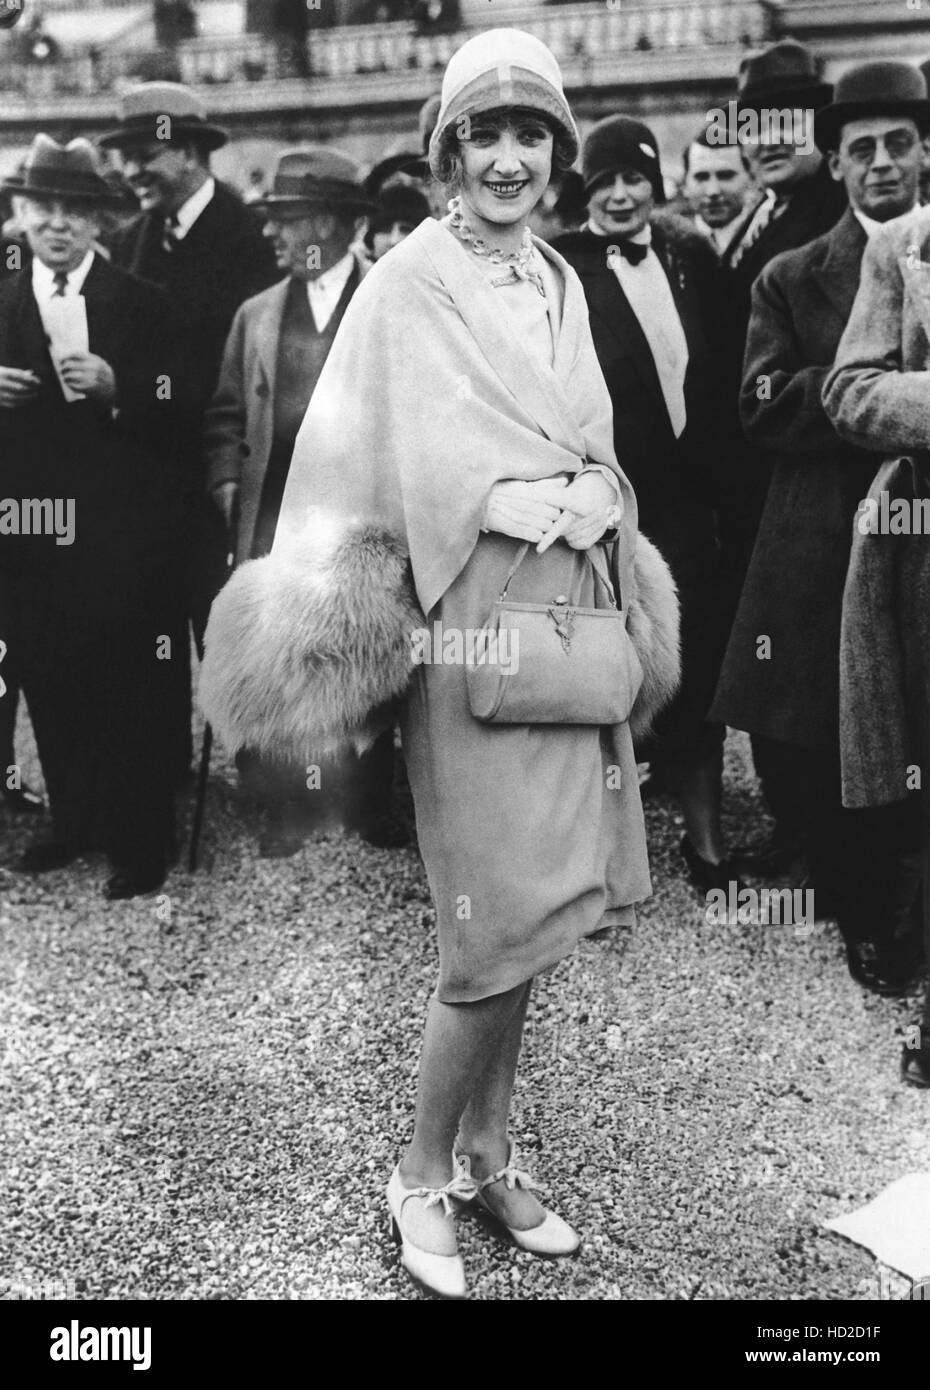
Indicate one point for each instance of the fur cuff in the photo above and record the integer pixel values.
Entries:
(309, 648)
(653, 623)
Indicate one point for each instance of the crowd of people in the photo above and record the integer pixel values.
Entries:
(735, 370)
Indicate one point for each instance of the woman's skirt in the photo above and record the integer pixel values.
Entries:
(532, 835)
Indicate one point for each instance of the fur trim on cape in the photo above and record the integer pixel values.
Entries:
(653, 622)
(309, 648)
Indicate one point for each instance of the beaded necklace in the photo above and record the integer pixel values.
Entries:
(518, 262)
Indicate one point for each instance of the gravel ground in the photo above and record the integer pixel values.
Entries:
(206, 1091)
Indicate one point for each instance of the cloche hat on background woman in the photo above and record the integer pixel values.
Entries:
(500, 68)
(616, 143)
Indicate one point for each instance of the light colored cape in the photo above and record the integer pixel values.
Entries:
(428, 398)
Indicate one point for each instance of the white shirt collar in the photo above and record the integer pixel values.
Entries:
(643, 237)
(325, 292)
(43, 277)
(720, 236)
(869, 225)
(188, 212)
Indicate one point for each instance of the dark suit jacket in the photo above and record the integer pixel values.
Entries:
(814, 208)
(794, 586)
(223, 260)
(677, 482)
(120, 470)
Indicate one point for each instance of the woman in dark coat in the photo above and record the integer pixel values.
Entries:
(649, 282)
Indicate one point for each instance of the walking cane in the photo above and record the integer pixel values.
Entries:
(206, 750)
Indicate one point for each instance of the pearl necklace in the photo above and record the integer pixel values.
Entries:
(518, 262)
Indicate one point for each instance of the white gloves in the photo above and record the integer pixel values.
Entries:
(541, 511)
(524, 510)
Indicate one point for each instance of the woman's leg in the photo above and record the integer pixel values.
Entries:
(458, 1043)
(483, 1132)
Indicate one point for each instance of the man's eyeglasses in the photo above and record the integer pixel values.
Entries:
(897, 145)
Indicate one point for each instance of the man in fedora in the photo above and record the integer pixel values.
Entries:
(90, 553)
(275, 352)
(789, 700)
(196, 239)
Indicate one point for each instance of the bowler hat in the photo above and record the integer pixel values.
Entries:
(67, 171)
(785, 71)
(873, 89)
(156, 111)
(316, 176)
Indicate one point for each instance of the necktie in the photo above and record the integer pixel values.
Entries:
(632, 251)
(169, 235)
(61, 284)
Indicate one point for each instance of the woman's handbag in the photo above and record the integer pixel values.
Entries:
(553, 663)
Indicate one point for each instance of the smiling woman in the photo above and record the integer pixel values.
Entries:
(489, 434)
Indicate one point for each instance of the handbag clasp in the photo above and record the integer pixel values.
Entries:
(563, 618)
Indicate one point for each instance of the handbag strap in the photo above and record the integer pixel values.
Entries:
(613, 588)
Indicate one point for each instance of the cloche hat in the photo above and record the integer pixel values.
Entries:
(500, 68)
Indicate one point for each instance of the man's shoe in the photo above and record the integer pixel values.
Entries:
(872, 972)
(47, 855)
(23, 801)
(765, 859)
(708, 876)
(131, 881)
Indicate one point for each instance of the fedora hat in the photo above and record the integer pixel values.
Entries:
(316, 176)
(142, 117)
(784, 72)
(873, 89)
(67, 171)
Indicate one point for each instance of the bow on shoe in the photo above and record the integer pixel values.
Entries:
(513, 1176)
(461, 1187)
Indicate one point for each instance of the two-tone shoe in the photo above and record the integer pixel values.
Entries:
(441, 1275)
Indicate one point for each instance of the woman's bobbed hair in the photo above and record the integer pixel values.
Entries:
(449, 163)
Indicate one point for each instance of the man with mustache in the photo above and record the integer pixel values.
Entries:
(276, 349)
